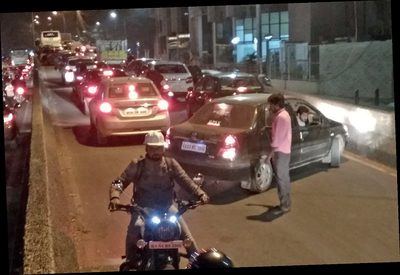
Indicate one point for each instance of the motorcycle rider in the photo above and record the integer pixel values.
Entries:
(153, 179)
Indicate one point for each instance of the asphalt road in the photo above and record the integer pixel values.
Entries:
(342, 215)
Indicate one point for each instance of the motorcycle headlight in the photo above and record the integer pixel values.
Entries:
(172, 219)
(167, 230)
(155, 220)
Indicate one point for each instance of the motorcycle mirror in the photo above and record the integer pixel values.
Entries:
(118, 185)
(199, 179)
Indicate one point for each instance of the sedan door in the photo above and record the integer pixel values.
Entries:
(315, 136)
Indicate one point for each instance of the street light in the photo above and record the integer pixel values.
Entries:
(97, 23)
(49, 18)
(113, 15)
(54, 12)
(268, 38)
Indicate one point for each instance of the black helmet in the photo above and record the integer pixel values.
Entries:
(210, 258)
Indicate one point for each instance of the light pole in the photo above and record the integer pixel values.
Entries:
(63, 18)
(268, 38)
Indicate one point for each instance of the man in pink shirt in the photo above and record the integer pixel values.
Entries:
(281, 141)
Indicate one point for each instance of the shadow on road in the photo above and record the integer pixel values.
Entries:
(85, 136)
(224, 192)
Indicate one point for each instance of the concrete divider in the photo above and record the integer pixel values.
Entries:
(48, 244)
(372, 132)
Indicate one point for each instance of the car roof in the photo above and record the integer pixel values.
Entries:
(159, 62)
(229, 74)
(127, 79)
(247, 99)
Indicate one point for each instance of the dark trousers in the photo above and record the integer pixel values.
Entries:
(280, 165)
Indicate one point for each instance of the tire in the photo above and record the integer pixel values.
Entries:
(336, 149)
(261, 176)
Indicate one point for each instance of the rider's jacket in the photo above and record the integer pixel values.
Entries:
(155, 186)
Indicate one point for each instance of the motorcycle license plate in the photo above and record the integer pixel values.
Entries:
(165, 245)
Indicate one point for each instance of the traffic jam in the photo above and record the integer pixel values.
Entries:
(204, 148)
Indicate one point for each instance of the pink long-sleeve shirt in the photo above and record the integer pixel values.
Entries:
(281, 138)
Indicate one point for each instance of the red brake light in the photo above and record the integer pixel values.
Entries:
(189, 79)
(163, 105)
(67, 68)
(228, 151)
(166, 87)
(105, 107)
(8, 118)
(92, 90)
(79, 77)
(229, 141)
(241, 89)
(167, 142)
(20, 91)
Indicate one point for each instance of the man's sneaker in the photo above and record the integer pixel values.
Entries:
(279, 210)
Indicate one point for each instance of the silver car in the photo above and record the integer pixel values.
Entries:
(127, 106)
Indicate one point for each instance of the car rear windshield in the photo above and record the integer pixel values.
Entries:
(228, 83)
(224, 115)
(170, 69)
(76, 61)
(131, 90)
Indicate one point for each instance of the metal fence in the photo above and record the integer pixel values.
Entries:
(295, 62)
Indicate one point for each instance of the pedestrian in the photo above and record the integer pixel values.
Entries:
(279, 155)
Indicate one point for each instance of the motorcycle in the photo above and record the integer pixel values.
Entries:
(158, 248)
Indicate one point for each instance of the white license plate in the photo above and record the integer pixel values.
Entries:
(142, 111)
(194, 147)
(165, 245)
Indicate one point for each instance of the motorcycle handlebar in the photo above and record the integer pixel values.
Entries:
(183, 206)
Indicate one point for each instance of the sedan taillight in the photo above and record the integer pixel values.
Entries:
(229, 149)
(163, 105)
(8, 118)
(167, 142)
(105, 107)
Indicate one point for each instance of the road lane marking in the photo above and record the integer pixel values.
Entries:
(370, 163)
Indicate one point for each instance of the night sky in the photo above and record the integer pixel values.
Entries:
(16, 28)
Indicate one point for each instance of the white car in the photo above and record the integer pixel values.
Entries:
(176, 75)
(67, 71)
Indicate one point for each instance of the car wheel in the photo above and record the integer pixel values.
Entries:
(336, 149)
(261, 176)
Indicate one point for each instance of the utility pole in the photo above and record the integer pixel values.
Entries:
(258, 32)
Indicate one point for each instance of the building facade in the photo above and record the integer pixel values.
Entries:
(206, 33)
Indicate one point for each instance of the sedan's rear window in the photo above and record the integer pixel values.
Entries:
(224, 115)
(137, 90)
(228, 83)
(170, 69)
(76, 61)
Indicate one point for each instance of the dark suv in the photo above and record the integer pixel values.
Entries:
(220, 85)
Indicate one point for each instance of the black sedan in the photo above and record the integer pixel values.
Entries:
(228, 137)
(219, 85)
(88, 86)
(11, 132)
